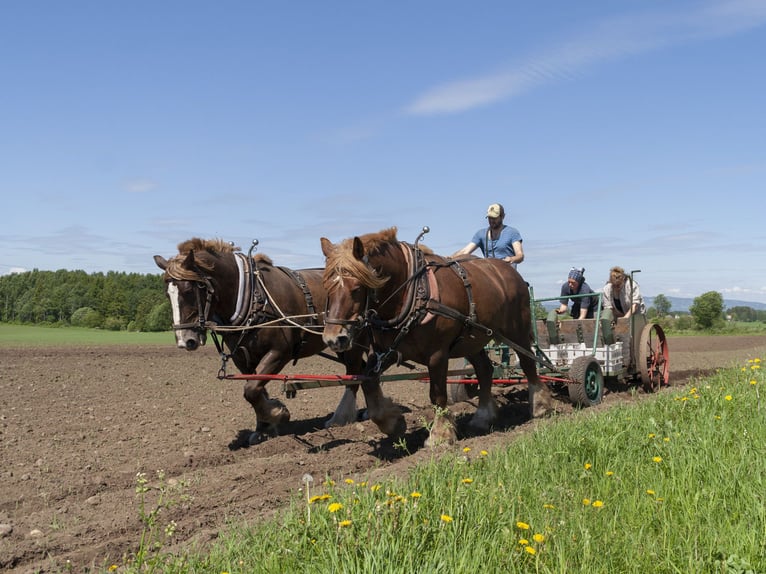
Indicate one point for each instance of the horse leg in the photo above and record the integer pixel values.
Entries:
(540, 395)
(381, 410)
(269, 413)
(486, 414)
(346, 411)
(443, 427)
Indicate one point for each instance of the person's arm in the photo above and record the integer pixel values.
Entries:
(583, 312)
(467, 250)
(519, 253)
(564, 301)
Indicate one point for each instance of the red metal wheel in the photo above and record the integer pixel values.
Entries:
(653, 358)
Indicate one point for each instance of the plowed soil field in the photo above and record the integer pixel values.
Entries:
(78, 424)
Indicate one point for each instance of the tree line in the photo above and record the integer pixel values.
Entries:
(137, 302)
(113, 300)
(707, 312)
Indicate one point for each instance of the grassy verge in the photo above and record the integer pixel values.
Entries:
(27, 336)
(673, 483)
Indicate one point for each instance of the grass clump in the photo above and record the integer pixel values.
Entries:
(673, 483)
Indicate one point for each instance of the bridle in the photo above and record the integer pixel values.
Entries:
(414, 300)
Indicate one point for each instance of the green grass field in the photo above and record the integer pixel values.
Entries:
(671, 483)
(26, 336)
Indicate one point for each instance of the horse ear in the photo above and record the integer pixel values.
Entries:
(358, 249)
(161, 262)
(327, 246)
(189, 261)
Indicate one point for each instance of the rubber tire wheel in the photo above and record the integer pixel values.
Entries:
(588, 386)
(462, 392)
(653, 358)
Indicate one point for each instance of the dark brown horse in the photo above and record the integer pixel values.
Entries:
(419, 306)
(266, 316)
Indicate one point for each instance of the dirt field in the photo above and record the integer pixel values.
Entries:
(77, 424)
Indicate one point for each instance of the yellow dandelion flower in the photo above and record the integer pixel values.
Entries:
(467, 481)
(727, 397)
(652, 435)
(650, 492)
(756, 360)
(334, 507)
(666, 439)
(329, 482)
(717, 417)
(523, 541)
(344, 523)
(549, 506)
(325, 497)
(467, 449)
(530, 550)
(483, 453)
(113, 567)
(753, 382)
(684, 399)
(609, 473)
(375, 487)
(415, 494)
(446, 518)
(755, 367)
(660, 500)
(744, 369)
(539, 538)
(362, 484)
(657, 459)
(522, 525)
(586, 501)
(588, 466)
(314, 498)
(349, 481)
(598, 504)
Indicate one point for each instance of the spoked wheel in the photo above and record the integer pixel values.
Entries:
(587, 386)
(653, 358)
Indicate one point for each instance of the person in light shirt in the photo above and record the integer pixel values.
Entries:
(622, 294)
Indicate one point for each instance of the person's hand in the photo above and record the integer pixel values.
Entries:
(559, 311)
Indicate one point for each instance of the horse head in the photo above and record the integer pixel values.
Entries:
(355, 270)
(193, 286)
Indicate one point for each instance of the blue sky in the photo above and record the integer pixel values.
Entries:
(615, 133)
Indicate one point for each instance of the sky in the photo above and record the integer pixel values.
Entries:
(627, 133)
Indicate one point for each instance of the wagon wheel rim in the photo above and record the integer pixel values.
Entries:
(654, 358)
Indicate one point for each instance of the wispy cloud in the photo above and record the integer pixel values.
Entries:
(609, 40)
(139, 186)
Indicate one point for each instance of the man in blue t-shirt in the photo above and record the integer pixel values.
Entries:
(497, 240)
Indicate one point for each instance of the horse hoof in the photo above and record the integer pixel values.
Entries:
(435, 440)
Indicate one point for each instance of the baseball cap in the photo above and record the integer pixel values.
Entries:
(495, 210)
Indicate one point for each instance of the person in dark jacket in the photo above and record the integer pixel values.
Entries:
(582, 307)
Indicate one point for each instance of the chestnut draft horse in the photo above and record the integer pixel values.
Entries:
(266, 316)
(425, 308)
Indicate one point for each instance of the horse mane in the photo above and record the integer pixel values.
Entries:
(207, 253)
(341, 260)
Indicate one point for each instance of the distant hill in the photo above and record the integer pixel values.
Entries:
(682, 304)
